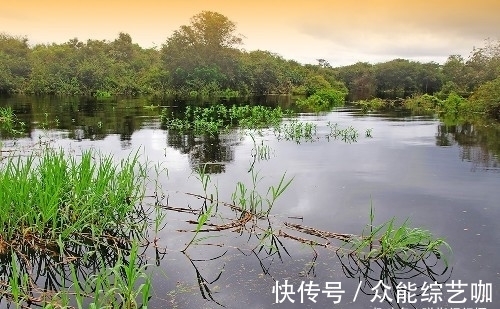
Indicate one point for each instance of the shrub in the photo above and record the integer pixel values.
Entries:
(487, 98)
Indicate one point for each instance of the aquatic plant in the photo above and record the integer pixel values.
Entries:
(259, 152)
(348, 135)
(9, 122)
(296, 131)
(322, 100)
(373, 104)
(396, 243)
(54, 199)
(213, 119)
(69, 209)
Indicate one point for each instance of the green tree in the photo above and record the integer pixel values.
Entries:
(14, 64)
(359, 79)
(265, 73)
(401, 78)
(487, 98)
(483, 65)
(314, 83)
(208, 42)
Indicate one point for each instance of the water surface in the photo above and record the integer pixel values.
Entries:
(443, 178)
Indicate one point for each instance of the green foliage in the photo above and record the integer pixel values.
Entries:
(359, 79)
(452, 104)
(314, 83)
(9, 122)
(215, 118)
(486, 99)
(299, 90)
(372, 104)
(396, 244)
(57, 198)
(422, 103)
(322, 100)
(102, 94)
(14, 64)
(332, 96)
(268, 73)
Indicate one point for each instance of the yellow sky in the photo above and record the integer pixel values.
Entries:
(342, 32)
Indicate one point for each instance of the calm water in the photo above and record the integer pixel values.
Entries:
(443, 178)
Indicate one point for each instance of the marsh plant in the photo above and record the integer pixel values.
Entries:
(259, 152)
(297, 131)
(9, 122)
(216, 118)
(52, 199)
(209, 204)
(54, 204)
(249, 199)
(398, 243)
(125, 284)
(347, 135)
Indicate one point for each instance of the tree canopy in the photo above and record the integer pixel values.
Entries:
(204, 58)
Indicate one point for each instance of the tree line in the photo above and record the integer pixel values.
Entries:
(205, 58)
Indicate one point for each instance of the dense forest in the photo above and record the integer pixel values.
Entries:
(205, 58)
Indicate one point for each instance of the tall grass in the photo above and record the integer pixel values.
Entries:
(71, 211)
(54, 198)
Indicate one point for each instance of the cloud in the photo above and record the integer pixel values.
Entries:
(406, 29)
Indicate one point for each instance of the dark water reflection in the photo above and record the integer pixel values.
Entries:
(444, 178)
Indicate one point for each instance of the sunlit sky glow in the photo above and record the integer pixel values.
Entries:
(342, 32)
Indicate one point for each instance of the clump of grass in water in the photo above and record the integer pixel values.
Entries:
(49, 200)
(396, 243)
(54, 204)
(213, 119)
(8, 121)
(296, 131)
(124, 285)
(348, 135)
(250, 200)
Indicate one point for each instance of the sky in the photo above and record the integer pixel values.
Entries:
(341, 32)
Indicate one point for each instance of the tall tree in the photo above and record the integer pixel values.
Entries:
(208, 43)
(14, 64)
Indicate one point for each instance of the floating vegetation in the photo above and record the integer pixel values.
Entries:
(213, 119)
(348, 135)
(297, 131)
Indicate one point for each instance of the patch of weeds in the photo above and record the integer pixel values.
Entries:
(213, 119)
(348, 135)
(297, 131)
